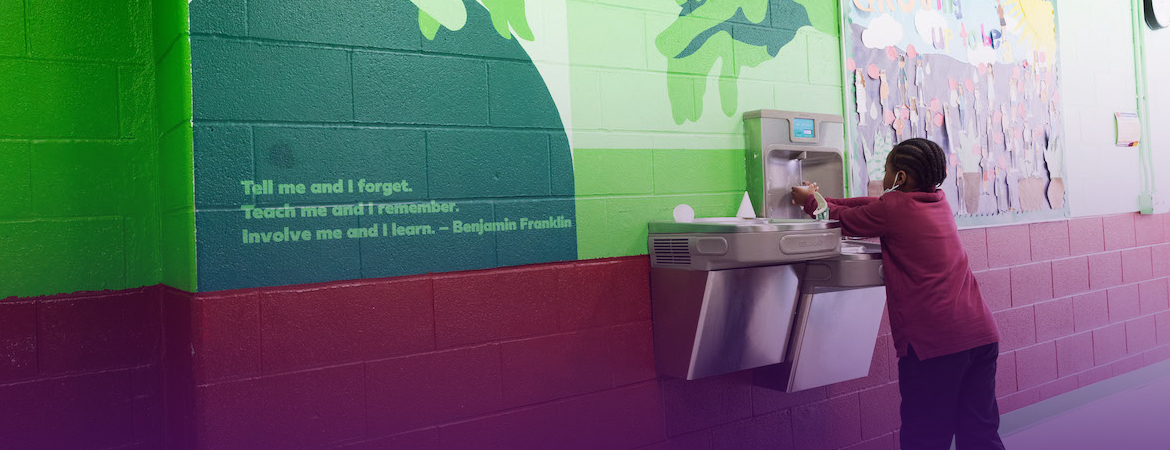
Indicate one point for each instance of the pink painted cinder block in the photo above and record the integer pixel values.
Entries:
(1017, 328)
(1074, 354)
(1129, 364)
(1094, 375)
(1108, 344)
(884, 326)
(1155, 296)
(1090, 311)
(1158, 354)
(415, 391)
(1119, 231)
(18, 340)
(1005, 374)
(99, 331)
(996, 288)
(1136, 265)
(1050, 240)
(879, 408)
(1124, 303)
(975, 242)
(427, 439)
(893, 359)
(551, 367)
(698, 440)
(1019, 400)
(885, 442)
(91, 410)
(767, 431)
(1163, 324)
(1031, 283)
(1036, 365)
(827, 425)
(698, 404)
(343, 323)
(1008, 246)
(1140, 335)
(599, 293)
(630, 417)
(226, 337)
(1161, 258)
(1149, 229)
(494, 304)
(299, 410)
(1105, 270)
(1086, 236)
(1070, 276)
(1059, 386)
(879, 372)
(633, 353)
(1054, 319)
(766, 400)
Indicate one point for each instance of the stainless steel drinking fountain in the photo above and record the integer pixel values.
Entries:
(785, 148)
(780, 291)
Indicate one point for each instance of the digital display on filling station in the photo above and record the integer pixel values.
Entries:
(804, 128)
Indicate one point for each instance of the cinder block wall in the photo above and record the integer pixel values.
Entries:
(78, 146)
(310, 92)
(83, 186)
(561, 355)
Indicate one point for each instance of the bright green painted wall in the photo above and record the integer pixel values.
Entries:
(172, 57)
(80, 189)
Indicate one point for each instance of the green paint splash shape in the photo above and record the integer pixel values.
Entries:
(702, 36)
(507, 16)
(509, 13)
(432, 13)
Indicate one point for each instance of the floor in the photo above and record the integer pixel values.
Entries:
(1130, 412)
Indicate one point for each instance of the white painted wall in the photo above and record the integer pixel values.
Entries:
(1098, 79)
(1158, 73)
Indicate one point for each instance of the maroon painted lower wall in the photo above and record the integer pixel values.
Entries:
(536, 357)
(82, 371)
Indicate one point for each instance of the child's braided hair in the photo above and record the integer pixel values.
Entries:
(922, 159)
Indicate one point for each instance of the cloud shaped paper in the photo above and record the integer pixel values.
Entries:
(882, 32)
(928, 21)
(982, 55)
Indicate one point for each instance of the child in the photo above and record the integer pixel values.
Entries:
(946, 338)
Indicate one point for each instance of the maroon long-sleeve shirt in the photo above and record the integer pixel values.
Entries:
(932, 297)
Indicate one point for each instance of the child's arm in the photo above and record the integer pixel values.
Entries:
(850, 202)
(867, 219)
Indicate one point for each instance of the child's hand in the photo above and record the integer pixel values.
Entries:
(801, 193)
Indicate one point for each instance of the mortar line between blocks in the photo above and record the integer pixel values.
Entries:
(352, 91)
(27, 38)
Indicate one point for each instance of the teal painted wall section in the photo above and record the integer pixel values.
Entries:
(304, 91)
(80, 185)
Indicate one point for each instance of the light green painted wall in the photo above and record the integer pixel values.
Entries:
(636, 153)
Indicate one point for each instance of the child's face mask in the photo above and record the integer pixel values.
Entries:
(895, 186)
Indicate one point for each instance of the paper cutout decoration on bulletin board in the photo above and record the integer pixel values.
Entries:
(977, 76)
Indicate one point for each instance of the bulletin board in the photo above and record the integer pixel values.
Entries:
(980, 78)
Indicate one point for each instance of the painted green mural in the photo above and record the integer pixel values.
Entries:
(446, 153)
(733, 33)
(506, 16)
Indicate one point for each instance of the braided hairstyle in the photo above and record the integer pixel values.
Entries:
(923, 160)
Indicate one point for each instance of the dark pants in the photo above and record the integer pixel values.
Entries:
(950, 396)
